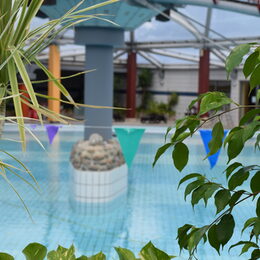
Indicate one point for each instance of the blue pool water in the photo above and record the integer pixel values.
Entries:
(152, 209)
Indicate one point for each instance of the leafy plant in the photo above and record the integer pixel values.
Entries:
(226, 197)
(36, 251)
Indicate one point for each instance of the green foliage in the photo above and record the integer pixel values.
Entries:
(36, 251)
(230, 195)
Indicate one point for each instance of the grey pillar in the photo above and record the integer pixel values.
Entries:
(98, 90)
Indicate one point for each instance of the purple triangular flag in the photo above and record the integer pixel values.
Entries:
(33, 126)
(52, 130)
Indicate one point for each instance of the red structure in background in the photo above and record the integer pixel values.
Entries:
(25, 108)
(204, 71)
(131, 85)
(27, 111)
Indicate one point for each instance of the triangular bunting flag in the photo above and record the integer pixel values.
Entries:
(52, 130)
(206, 135)
(33, 126)
(129, 139)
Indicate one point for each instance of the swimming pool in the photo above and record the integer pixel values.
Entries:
(152, 208)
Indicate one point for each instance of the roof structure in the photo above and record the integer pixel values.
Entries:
(130, 14)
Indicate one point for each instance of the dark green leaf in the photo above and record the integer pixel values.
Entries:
(256, 228)
(182, 236)
(160, 151)
(99, 256)
(35, 251)
(258, 207)
(236, 57)
(167, 132)
(222, 199)
(235, 197)
(255, 182)
(247, 245)
(255, 78)
(213, 240)
(209, 192)
(225, 229)
(250, 63)
(192, 186)
(249, 223)
(83, 257)
(230, 134)
(257, 143)
(201, 192)
(250, 130)
(188, 177)
(180, 156)
(235, 145)
(238, 178)
(125, 254)
(213, 101)
(231, 168)
(150, 252)
(255, 254)
(249, 116)
(4, 256)
(196, 237)
(217, 138)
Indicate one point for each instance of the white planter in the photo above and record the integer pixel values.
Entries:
(103, 186)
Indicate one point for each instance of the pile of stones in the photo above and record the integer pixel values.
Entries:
(96, 154)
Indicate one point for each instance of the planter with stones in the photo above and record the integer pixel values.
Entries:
(99, 173)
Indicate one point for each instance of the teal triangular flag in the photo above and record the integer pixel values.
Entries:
(206, 135)
(129, 139)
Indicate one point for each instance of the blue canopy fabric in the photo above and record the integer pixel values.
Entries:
(206, 136)
(129, 139)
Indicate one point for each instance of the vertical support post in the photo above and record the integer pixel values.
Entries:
(204, 71)
(55, 69)
(99, 91)
(131, 84)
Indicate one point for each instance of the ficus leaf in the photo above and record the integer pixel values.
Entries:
(182, 236)
(255, 78)
(217, 137)
(225, 229)
(222, 199)
(150, 252)
(236, 57)
(35, 251)
(4, 256)
(161, 151)
(188, 177)
(180, 156)
(238, 178)
(248, 223)
(235, 145)
(255, 182)
(231, 168)
(255, 254)
(247, 245)
(258, 207)
(212, 237)
(192, 186)
(125, 254)
(249, 116)
(250, 63)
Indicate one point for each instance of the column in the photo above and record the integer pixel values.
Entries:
(55, 69)
(131, 84)
(204, 71)
(98, 89)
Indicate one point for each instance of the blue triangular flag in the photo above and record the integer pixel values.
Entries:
(206, 135)
(52, 131)
(129, 139)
